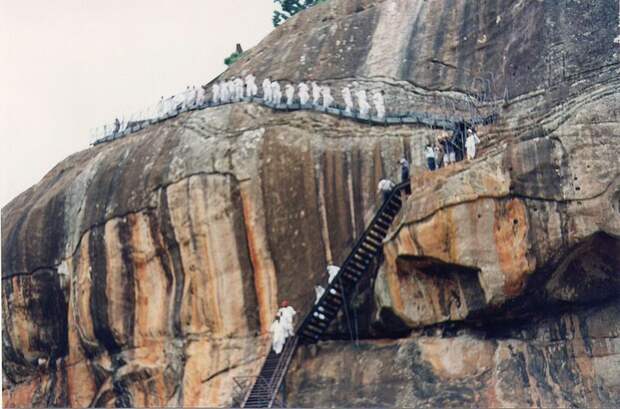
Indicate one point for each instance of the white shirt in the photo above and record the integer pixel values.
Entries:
(318, 291)
(472, 140)
(377, 98)
(286, 315)
(346, 95)
(333, 271)
(429, 152)
(385, 185)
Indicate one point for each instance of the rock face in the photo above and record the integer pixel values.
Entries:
(145, 271)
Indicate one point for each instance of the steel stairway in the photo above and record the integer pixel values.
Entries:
(265, 387)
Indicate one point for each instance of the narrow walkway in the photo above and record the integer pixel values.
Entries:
(408, 118)
(266, 385)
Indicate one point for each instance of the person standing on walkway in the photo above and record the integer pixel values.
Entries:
(316, 93)
(289, 92)
(215, 94)
(117, 126)
(304, 94)
(224, 92)
(429, 153)
(348, 100)
(267, 94)
(404, 175)
(362, 102)
(470, 144)
(276, 93)
(379, 102)
(238, 87)
(328, 100)
(250, 86)
(439, 154)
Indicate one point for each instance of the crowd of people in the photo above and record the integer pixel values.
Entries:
(282, 327)
(312, 94)
(450, 149)
(237, 89)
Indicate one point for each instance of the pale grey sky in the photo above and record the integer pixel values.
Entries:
(67, 66)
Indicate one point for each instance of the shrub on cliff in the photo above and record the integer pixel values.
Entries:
(289, 8)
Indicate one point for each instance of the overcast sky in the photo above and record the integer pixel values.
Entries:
(67, 66)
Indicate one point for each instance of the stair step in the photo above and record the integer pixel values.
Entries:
(358, 265)
(379, 231)
(353, 278)
(386, 216)
(369, 246)
(335, 301)
(383, 225)
(392, 213)
(363, 256)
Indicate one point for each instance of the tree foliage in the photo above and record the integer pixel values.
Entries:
(232, 58)
(288, 8)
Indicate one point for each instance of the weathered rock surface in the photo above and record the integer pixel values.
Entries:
(570, 360)
(145, 271)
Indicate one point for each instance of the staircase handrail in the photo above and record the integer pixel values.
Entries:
(396, 190)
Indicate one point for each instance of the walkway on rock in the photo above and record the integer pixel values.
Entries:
(265, 387)
(409, 118)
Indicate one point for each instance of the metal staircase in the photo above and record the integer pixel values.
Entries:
(265, 387)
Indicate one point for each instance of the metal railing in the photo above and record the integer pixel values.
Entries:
(452, 111)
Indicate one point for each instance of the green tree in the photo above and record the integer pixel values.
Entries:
(234, 56)
(288, 8)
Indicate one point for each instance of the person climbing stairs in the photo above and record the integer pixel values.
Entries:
(265, 388)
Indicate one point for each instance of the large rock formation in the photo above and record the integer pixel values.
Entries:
(145, 271)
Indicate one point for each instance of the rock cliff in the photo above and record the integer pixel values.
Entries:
(145, 271)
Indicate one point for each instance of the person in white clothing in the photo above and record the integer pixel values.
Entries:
(278, 335)
(470, 144)
(318, 291)
(385, 187)
(316, 93)
(161, 108)
(169, 105)
(286, 314)
(379, 102)
(289, 91)
(327, 97)
(250, 86)
(237, 84)
(276, 93)
(332, 272)
(348, 100)
(362, 102)
(215, 94)
(304, 95)
(429, 152)
(179, 100)
(186, 98)
(190, 97)
(267, 94)
(200, 95)
(224, 92)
